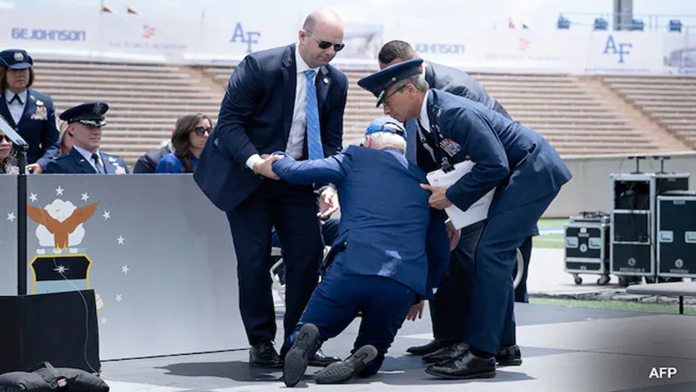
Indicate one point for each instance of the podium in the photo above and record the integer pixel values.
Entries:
(60, 328)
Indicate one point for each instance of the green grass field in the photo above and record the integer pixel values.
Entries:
(550, 240)
(615, 305)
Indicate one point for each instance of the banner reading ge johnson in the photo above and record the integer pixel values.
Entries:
(118, 37)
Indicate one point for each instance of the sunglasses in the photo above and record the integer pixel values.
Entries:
(7, 139)
(323, 44)
(200, 131)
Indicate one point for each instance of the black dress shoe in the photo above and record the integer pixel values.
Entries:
(464, 367)
(339, 372)
(322, 360)
(446, 353)
(509, 356)
(264, 355)
(431, 347)
(297, 358)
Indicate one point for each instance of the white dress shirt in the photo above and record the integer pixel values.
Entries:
(16, 109)
(88, 157)
(296, 138)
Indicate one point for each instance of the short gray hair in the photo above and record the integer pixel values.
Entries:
(418, 81)
(387, 139)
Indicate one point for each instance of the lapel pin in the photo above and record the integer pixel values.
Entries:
(326, 80)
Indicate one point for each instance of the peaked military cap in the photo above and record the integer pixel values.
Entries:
(91, 113)
(16, 59)
(379, 82)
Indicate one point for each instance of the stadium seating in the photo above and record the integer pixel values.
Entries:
(668, 100)
(147, 99)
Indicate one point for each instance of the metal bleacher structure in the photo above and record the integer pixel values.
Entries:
(579, 115)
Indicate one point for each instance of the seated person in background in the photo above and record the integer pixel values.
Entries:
(379, 264)
(85, 124)
(148, 162)
(8, 162)
(66, 139)
(190, 134)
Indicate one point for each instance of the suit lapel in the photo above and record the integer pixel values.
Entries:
(29, 108)
(322, 82)
(433, 115)
(81, 162)
(5, 111)
(289, 70)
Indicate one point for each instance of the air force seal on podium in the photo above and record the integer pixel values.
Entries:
(59, 265)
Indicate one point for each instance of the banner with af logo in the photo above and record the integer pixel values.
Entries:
(155, 251)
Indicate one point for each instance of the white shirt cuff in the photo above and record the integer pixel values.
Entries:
(252, 161)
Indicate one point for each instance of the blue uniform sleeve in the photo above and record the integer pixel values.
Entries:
(169, 164)
(331, 169)
(437, 250)
(474, 133)
(50, 137)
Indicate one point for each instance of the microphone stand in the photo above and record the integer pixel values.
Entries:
(21, 147)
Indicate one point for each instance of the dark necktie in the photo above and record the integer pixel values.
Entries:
(17, 98)
(95, 158)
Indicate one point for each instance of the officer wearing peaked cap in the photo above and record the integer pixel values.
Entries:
(85, 124)
(28, 111)
(524, 169)
(379, 263)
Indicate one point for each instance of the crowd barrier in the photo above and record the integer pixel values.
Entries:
(156, 251)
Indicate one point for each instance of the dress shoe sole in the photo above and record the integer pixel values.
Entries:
(340, 372)
(490, 374)
(296, 359)
(510, 362)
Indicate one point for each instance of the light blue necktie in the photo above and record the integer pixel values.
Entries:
(314, 147)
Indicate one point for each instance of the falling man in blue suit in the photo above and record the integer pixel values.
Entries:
(526, 171)
(391, 250)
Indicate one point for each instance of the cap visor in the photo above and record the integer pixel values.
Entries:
(20, 66)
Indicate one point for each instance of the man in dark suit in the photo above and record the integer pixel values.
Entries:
(449, 310)
(84, 123)
(148, 162)
(28, 111)
(284, 99)
(524, 169)
(378, 263)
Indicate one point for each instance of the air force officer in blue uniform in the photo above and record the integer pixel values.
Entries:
(283, 99)
(28, 111)
(85, 124)
(379, 263)
(526, 171)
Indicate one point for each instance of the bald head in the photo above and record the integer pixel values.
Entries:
(318, 39)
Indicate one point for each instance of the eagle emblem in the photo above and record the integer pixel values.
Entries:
(62, 221)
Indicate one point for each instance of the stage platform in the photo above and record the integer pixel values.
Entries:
(564, 349)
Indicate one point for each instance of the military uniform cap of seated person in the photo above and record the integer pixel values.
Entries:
(91, 113)
(16, 59)
(379, 82)
(84, 124)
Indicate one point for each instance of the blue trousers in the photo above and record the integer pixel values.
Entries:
(338, 298)
(492, 319)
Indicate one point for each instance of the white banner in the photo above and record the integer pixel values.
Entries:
(124, 37)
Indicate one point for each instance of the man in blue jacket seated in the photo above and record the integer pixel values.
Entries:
(379, 263)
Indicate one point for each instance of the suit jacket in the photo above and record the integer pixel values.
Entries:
(148, 162)
(37, 126)
(255, 118)
(457, 82)
(74, 162)
(385, 217)
(518, 161)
